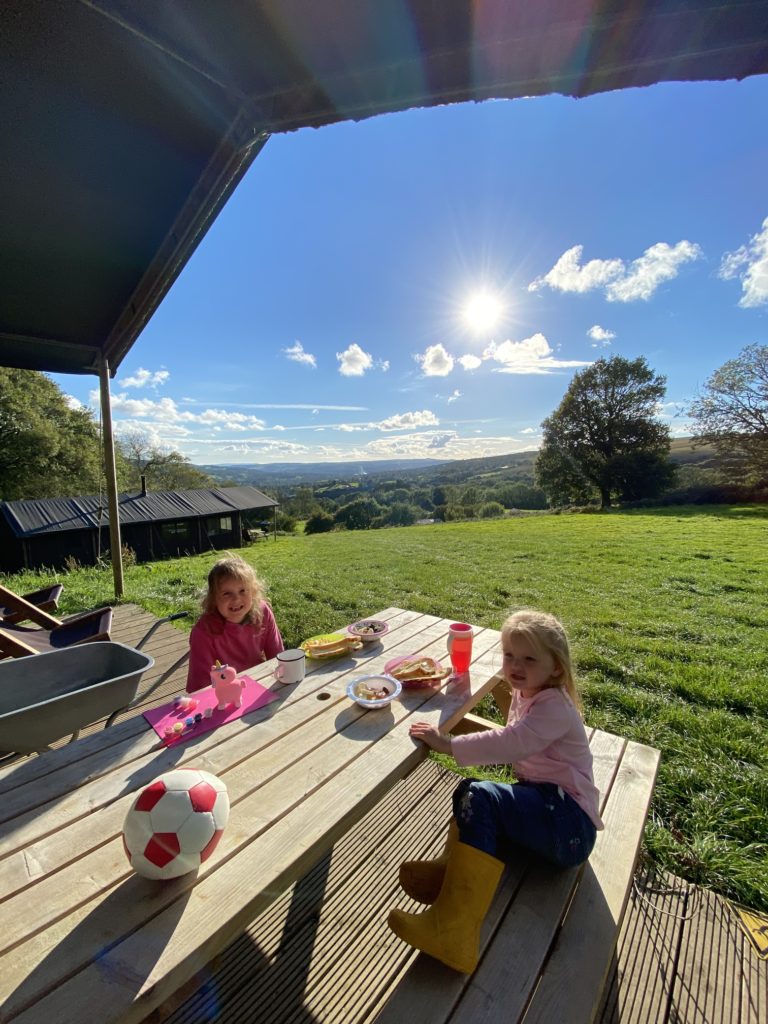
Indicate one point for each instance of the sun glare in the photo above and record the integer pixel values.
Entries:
(482, 312)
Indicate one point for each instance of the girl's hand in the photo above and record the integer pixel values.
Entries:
(429, 735)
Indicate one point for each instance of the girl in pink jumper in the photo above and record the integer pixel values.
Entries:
(552, 810)
(237, 626)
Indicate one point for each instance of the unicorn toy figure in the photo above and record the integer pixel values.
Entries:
(229, 689)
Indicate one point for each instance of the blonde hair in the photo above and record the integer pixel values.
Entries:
(233, 567)
(546, 634)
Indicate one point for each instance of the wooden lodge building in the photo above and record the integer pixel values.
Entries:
(45, 532)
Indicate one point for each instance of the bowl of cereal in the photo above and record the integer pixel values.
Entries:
(373, 691)
(368, 630)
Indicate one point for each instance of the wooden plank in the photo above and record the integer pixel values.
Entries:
(754, 988)
(79, 790)
(639, 987)
(576, 970)
(305, 956)
(529, 905)
(713, 970)
(63, 783)
(145, 966)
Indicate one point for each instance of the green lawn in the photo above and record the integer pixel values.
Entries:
(667, 611)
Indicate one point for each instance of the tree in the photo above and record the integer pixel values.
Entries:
(48, 450)
(401, 514)
(320, 522)
(731, 414)
(358, 515)
(164, 469)
(491, 510)
(604, 438)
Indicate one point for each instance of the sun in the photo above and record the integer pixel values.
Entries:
(483, 311)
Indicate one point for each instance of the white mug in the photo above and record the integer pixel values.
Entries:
(290, 666)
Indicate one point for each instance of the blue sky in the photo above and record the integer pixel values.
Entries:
(324, 315)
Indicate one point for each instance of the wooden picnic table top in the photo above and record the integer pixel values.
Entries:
(86, 938)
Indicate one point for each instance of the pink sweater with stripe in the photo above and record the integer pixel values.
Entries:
(545, 741)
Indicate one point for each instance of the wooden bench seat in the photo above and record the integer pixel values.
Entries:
(323, 952)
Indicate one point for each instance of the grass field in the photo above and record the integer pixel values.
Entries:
(668, 616)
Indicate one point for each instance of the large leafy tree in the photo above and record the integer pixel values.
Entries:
(48, 449)
(164, 469)
(604, 438)
(731, 414)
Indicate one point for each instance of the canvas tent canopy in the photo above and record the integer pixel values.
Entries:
(126, 124)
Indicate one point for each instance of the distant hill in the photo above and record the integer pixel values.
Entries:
(517, 466)
(288, 474)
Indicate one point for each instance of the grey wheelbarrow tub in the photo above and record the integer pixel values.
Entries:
(48, 696)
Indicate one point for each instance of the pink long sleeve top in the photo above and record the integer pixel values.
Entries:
(241, 645)
(545, 741)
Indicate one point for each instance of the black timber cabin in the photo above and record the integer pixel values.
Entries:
(46, 532)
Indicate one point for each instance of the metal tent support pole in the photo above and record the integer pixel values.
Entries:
(110, 470)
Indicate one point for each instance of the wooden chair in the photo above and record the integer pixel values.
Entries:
(14, 609)
(52, 634)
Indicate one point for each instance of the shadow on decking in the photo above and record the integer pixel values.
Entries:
(310, 957)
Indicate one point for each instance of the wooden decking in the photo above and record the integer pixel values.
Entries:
(682, 956)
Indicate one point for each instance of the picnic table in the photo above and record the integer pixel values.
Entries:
(86, 938)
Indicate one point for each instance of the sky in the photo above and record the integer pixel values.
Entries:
(426, 284)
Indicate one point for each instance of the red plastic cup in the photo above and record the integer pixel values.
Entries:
(460, 646)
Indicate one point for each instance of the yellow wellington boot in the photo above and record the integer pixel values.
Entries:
(423, 879)
(450, 929)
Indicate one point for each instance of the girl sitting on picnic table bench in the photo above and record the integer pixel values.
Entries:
(237, 626)
(552, 810)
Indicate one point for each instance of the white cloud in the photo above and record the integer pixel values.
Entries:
(297, 354)
(660, 262)
(453, 396)
(145, 379)
(530, 430)
(435, 361)
(568, 276)
(531, 355)
(750, 265)
(354, 361)
(72, 402)
(600, 335)
(409, 420)
(166, 411)
(383, 365)
(437, 444)
(402, 421)
(442, 440)
(470, 362)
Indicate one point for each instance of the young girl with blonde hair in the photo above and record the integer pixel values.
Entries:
(237, 626)
(552, 810)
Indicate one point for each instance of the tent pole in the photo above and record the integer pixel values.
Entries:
(115, 546)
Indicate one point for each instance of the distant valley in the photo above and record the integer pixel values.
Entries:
(517, 466)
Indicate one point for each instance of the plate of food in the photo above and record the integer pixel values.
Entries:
(414, 670)
(330, 645)
(368, 630)
(374, 691)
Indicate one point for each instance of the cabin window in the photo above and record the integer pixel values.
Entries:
(175, 532)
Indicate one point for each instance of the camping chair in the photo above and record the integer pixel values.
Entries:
(19, 641)
(46, 600)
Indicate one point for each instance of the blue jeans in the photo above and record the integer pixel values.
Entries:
(496, 817)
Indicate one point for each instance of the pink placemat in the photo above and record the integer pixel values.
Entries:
(254, 696)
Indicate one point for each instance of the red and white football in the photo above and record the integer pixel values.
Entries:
(175, 823)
